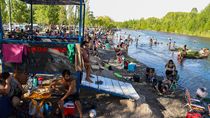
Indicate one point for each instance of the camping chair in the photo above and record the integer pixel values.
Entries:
(193, 104)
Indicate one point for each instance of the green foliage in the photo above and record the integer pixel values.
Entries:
(62, 16)
(192, 23)
(52, 14)
(46, 15)
(20, 12)
(40, 15)
(4, 11)
(194, 10)
(71, 15)
(104, 21)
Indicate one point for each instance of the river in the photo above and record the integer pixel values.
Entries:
(193, 73)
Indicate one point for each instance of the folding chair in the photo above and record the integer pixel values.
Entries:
(193, 104)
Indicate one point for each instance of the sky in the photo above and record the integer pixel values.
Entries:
(121, 10)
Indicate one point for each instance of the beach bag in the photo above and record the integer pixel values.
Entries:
(69, 109)
(193, 115)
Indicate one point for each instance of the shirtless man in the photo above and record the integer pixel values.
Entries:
(67, 84)
(86, 57)
(184, 51)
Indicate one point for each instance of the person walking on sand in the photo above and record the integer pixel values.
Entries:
(86, 58)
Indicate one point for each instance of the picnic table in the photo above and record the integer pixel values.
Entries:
(38, 97)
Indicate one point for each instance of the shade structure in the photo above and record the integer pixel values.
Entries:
(54, 2)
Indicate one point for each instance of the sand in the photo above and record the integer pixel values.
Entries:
(150, 104)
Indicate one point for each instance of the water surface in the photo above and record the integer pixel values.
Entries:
(193, 73)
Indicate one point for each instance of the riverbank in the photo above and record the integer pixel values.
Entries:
(199, 35)
(151, 105)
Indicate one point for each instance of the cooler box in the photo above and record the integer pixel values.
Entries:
(69, 109)
(131, 67)
(193, 115)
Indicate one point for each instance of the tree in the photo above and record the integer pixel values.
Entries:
(52, 15)
(105, 21)
(20, 12)
(62, 16)
(194, 10)
(71, 15)
(4, 12)
(89, 19)
(40, 14)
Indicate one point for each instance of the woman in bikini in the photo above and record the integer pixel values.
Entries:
(170, 68)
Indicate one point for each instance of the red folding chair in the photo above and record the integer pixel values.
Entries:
(193, 104)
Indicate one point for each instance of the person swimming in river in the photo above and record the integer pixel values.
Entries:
(174, 45)
(184, 51)
(179, 57)
(151, 41)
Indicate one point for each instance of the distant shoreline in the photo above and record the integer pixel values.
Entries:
(189, 35)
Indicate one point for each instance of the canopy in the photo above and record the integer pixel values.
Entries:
(54, 2)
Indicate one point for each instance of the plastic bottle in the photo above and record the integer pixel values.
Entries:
(35, 82)
(30, 83)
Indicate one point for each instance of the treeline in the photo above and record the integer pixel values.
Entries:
(42, 14)
(50, 14)
(192, 23)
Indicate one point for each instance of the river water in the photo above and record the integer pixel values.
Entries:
(193, 73)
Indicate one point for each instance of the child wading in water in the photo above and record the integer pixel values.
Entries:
(86, 56)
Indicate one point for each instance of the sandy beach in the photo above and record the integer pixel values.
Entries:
(150, 104)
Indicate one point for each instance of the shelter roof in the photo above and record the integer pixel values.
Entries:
(53, 2)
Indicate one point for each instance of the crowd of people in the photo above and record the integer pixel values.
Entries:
(11, 89)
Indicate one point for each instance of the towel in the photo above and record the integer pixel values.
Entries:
(13, 52)
(71, 53)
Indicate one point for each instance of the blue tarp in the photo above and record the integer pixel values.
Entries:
(54, 2)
